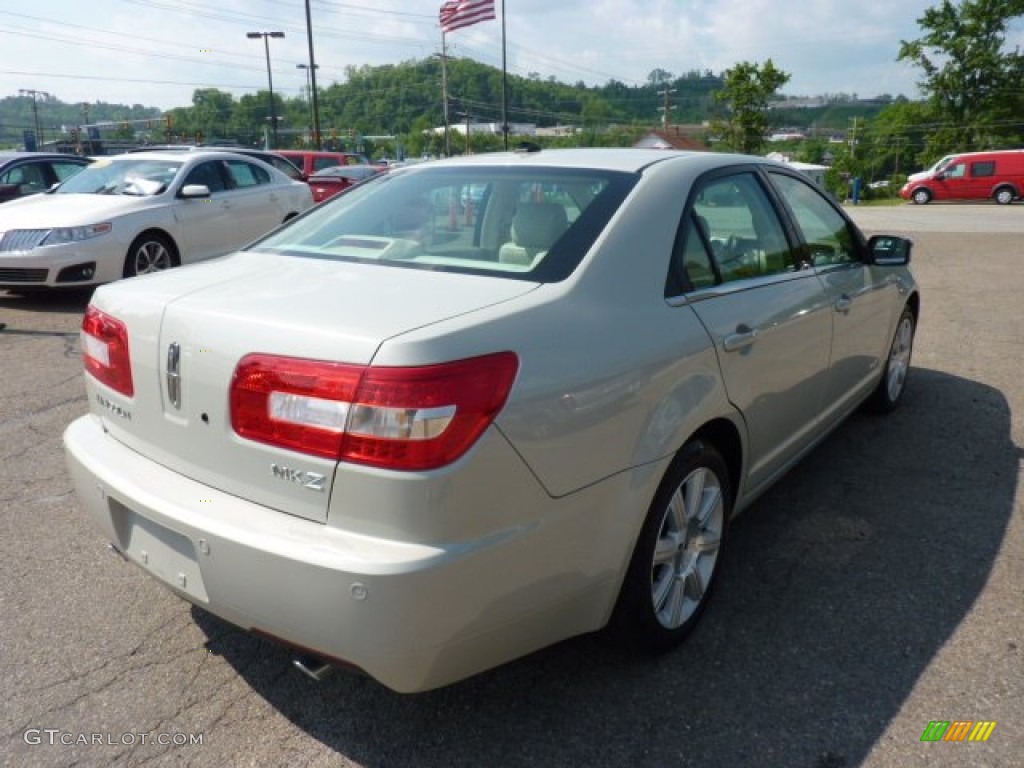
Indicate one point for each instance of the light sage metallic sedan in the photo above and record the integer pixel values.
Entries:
(423, 436)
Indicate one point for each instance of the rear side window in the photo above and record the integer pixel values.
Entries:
(984, 168)
(247, 174)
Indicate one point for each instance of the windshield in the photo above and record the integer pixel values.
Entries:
(937, 168)
(532, 223)
(140, 177)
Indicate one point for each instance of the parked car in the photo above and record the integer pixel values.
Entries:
(330, 181)
(995, 175)
(310, 161)
(425, 445)
(136, 213)
(29, 173)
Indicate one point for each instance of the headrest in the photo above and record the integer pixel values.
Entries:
(538, 225)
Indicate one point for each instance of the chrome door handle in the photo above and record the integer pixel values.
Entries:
(739, 340)
(843, 303)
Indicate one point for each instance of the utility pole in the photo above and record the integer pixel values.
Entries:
(35, 111)
(312, 71)
(665, 109)
(853, 139)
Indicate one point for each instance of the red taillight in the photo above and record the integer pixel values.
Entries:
(105, 351)
(413, 418)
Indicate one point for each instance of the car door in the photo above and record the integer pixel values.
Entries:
(766, 312)
(205, 224)
(257, 202)
(862, 298)
(954, 183)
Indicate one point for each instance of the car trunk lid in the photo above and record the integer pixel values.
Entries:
(188, 331)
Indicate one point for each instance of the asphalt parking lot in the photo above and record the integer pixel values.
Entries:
(877, 588)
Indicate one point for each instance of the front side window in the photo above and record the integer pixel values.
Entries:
(208, 174)
(529, 223)
(826, 232)
(956, 171)
(28, 177)
(65, 170)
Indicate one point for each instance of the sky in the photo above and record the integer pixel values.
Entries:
(157, 52)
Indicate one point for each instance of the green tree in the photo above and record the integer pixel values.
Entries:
(971, 82)
(211, 112)
(746, 93)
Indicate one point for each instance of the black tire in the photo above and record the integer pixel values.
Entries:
(889, 392)
(921, 196)
(667, 588)
(1004, 195)
(150, 252)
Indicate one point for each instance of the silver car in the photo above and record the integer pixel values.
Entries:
(423, 438)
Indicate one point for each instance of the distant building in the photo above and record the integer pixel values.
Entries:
(815, 172)
(490, 129)
(673, 138)
(787, 136)
(557, 131)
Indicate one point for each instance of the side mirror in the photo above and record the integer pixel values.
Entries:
(889, 250)
(940, 176)
(194, 190)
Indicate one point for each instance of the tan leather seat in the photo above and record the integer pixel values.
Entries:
(535, 228)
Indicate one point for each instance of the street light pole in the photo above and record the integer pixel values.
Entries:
(270, 77)
(309, 97)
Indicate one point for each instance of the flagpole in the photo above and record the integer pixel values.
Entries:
(444, 94)
(504, 81)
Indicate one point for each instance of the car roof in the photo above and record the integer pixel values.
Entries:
(7, 156)
(630, 160)
(174, 155)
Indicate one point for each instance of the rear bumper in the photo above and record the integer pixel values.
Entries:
(413, 616)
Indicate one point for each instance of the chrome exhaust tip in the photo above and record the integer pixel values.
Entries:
(312, 667)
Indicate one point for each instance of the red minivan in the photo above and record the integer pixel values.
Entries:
(311, 161)
(996, 174)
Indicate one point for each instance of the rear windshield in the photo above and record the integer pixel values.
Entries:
(529, 223)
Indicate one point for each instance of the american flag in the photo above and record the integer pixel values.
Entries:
(456, 14)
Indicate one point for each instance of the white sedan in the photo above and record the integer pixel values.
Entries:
(424, 438)
(131, 214)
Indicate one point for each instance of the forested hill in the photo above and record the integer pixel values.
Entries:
(406, 98)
